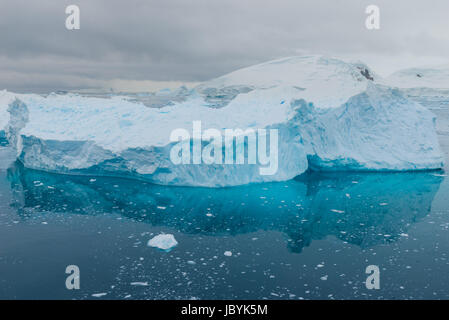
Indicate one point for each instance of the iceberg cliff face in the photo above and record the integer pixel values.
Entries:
(329, 115)
(5, 100)
(378, 129)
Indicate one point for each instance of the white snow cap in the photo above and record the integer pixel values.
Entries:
(325, 81)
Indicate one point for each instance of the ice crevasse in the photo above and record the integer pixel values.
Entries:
(330, 115)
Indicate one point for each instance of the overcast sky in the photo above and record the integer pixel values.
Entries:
(139, 43)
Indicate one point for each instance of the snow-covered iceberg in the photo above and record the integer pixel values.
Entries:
(330, 115)
(428, 86)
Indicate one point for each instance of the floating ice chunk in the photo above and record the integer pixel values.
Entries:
(228, 253)
(164, 242)
(140, 284)
(99, 295)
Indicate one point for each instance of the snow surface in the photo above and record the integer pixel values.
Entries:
(328, 82)
(163, 241)
(427, 86)
(433, 77)
(331, 115)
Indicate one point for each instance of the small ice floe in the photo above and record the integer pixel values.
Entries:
(161, 208)
(165, 242)
(337, 211)
(324, 278)
(99, 295)
(228, 253)
(383, 204)
(209, 214)
(404, 235)
(92, 180)
(140, 284)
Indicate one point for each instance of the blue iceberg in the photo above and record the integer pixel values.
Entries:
(328, 114)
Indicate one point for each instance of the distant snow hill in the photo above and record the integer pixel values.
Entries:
(330, 115)
(428, 86)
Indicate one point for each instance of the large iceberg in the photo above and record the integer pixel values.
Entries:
(329, 115)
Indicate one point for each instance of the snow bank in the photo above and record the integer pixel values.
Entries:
(329, 114)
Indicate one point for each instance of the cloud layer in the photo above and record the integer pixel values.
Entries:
(183, 41)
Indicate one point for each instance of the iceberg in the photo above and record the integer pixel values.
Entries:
(428, 86)
(5, 100)
(329, 115)
(164, 242)
(432, 77)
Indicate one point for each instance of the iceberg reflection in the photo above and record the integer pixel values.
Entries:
(364, 209)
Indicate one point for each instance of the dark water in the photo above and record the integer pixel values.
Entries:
(310, 238)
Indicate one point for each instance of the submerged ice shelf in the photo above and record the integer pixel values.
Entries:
(330, 115)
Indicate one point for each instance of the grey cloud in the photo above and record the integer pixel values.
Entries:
(179, 40)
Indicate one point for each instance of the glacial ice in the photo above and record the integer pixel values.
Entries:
(5, 100)
(163, 241)
(331, 115)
